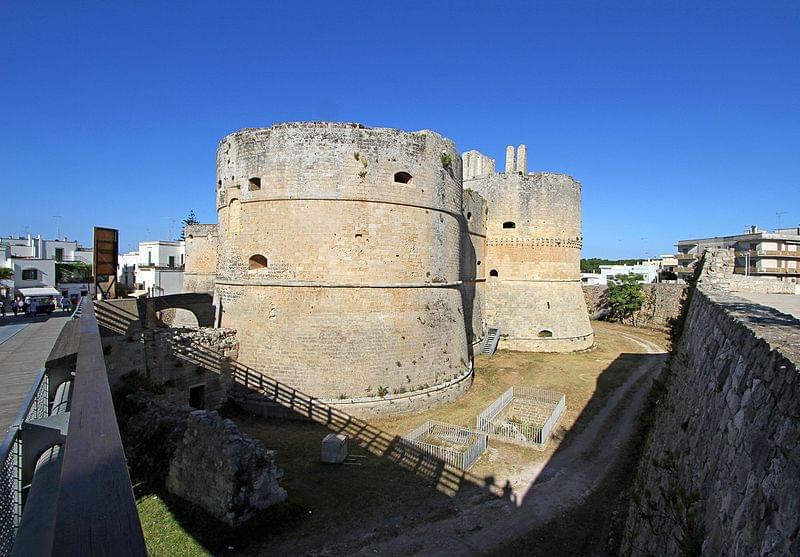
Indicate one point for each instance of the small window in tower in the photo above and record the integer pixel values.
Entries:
(219, 183)
(258, 261)
(509, 224)
(479, 262)
(493, 273)
(469, 216)
(402, 178)
(254, 184)
(545, 333)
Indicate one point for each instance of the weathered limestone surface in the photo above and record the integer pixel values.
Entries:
(163, 347)
(532, 261)
(718, 273)
(476, 164)
(228, 473)
(473, 265)
(729, 431)
(201, 258)
(662, 303)
(358, 233)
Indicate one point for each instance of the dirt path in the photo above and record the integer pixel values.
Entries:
(475, 524)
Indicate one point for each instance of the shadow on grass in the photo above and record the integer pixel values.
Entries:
(410, 478)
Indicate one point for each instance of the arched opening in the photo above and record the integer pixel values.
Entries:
(493, 273)
(177, 317)
(509, 224)
(469, 216)
(545, 333)
(258, 261)
(254, 184)
(402, 177)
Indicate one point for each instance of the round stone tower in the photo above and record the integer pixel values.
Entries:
(338, 260)
(533, 246)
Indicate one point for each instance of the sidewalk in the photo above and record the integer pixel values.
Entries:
(22, 355)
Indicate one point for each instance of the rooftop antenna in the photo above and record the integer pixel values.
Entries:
(171, 228)
(778, 214)
(58, 226)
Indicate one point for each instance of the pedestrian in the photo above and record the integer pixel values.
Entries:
(32, 307)
(65, 305)
(15, 306)
(2, 308)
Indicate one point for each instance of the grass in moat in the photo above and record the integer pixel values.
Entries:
(325, 499)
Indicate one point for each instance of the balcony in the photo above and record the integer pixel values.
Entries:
(766, 271)
(684, 256)
(148, 266)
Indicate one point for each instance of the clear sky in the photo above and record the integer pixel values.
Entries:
(681, 119)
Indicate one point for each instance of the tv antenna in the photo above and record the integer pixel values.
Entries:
(58, 226)
(778, 214)
(171, 228)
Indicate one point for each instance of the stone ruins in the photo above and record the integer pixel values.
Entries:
(363, 265)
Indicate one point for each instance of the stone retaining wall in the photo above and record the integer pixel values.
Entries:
(718, 269)
(662, 303)
(721, 467)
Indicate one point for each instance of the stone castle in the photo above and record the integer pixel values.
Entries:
(363, 265)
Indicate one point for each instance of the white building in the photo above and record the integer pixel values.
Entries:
(33, 262)
(155, 270)
(68, 251)
(758, 252)
(648, 270)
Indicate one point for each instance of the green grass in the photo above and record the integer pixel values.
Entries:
(174, 527)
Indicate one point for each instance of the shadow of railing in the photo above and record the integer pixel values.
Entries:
(447, 478)
(113, 318)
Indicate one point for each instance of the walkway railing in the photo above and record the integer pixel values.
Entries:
(64, 483)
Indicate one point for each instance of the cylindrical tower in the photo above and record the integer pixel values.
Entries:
(473, 265)
(338, 259)
(533, 251)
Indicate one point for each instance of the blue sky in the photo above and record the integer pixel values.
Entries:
(681, 119)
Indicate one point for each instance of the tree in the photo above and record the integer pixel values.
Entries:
(73, 272)
(191, 219)
(625, 296)
(6, 273)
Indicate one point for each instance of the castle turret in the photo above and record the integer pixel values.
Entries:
(339, 259)
(532, 259)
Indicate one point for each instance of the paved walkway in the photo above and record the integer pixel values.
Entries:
(786, 303)
(26, 345)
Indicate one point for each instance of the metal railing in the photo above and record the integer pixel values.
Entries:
(530, 430)
(469, 444)
(64, 481)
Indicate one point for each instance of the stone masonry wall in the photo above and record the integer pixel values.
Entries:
(357, 237)
(165, 367)
(473, 265)
(201, 258)
(533, 243)
(662, 303)
(718, 273)
(728, 434)
(228, 473)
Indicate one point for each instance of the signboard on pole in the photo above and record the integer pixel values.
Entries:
(106, 252)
